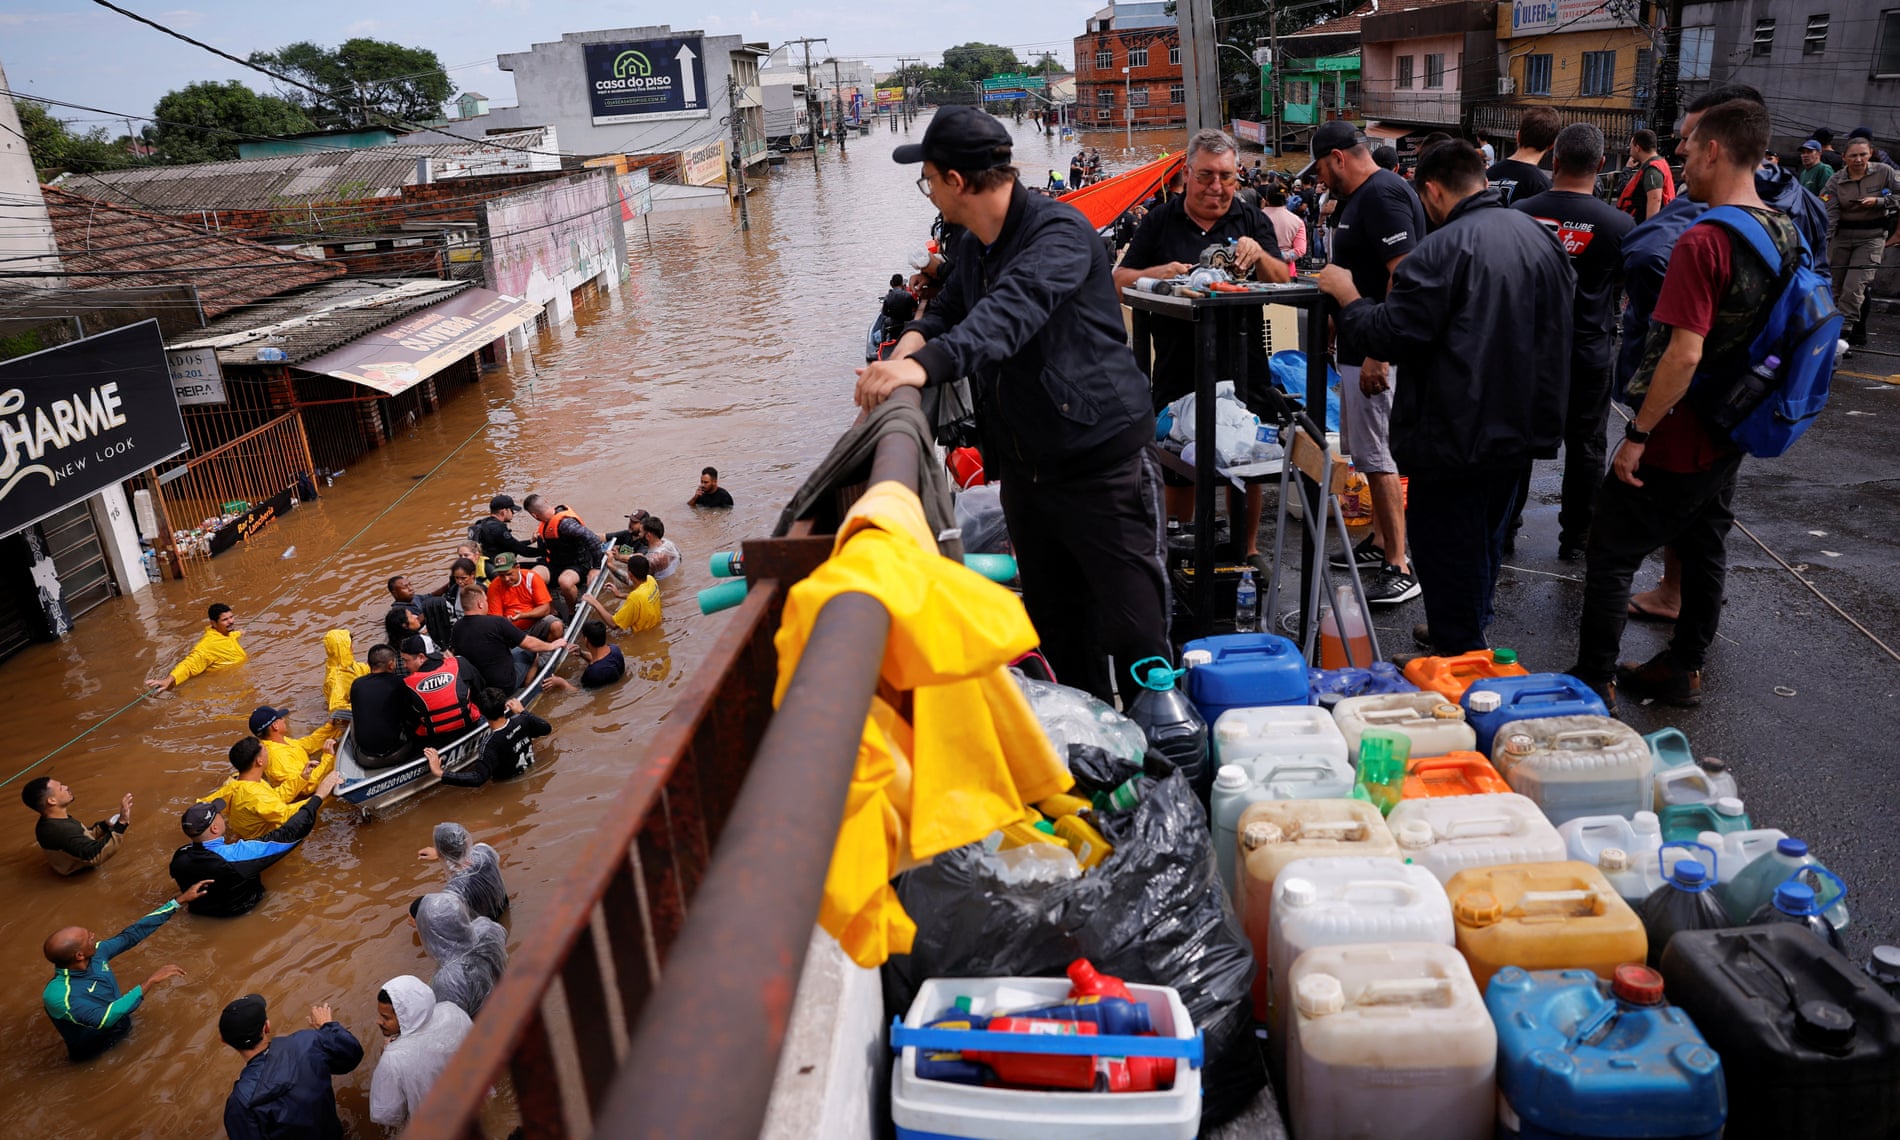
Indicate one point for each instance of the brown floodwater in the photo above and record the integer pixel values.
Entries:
(722, 348)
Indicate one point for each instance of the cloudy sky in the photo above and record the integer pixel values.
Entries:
(78, 52)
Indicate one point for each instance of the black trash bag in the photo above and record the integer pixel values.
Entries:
(1098, 769)
(1154, 912)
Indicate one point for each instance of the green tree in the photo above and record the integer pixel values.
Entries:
(58, 149)
(975, 62)
(366, 82)
(1046, 64)
(205, 121)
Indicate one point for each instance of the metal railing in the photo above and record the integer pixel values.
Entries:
(681, 929)
(253, 469)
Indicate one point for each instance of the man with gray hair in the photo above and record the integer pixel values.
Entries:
(1591, 232)
(1167, 243)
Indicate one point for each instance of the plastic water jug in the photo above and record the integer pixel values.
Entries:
(1169, 720)
(1683, 902)
(1381, 778)
(1579, 1056)
(1633, 877)
(1883, 966)
(1543, 916)
(1575, 766)
(1456, 833)
(1624, 850)
(1342, 627)
(1390, 1040)
(1736, 850)
(1278, 833)
(1434, 725)
(1795, 904)
(1492, 703)
(1810, 1045)
(1451, 676)
(1244, 670)
(1271, 778)
(1453, 774)
(1668, 748)
(1243, 735)
(1699, 782)
(1334, 902)
(1684, 823)
(1753, 886)
(1379, 677)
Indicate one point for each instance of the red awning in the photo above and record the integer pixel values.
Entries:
(1110, 198)
(397, 357)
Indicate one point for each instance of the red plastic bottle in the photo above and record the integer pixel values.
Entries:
(1085, 982)
(1084, 1073)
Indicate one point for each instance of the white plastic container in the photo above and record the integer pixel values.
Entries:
(1574, 766)
(1693, 784)
(1633, 877)
(1625, 850)
(1449, 834)
(1735, 850)
(1236, 787)
(1434, 725)
(1242, 736)
(1343, 901)
(1389, 1040)
(940, 1109)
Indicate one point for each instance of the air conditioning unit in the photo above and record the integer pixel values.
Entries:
(1507, 85)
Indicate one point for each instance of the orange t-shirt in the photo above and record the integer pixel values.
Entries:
(508, 601)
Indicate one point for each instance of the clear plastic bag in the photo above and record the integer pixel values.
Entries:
(980, 518)
(1031, 863)
(1071, 716)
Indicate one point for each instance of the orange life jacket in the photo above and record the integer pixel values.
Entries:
(563, 553)
(443, 691)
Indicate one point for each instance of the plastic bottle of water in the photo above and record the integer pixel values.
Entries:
(1246, 605)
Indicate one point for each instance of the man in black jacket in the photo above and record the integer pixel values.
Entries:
(1030, 315)
(235, 868)
(493, 535)
(1479, 318)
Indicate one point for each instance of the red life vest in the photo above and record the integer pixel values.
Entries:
(446, 710)
(1626, 201)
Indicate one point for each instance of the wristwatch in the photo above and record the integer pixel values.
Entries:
(1635, 434)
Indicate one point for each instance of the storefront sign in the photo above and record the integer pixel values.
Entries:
(636, 195)
(704, 165)
(196, 376)
(250, 522)
(81, 417)
(1248, 131)
(647, 79)
(1530, 16)
(397, 357)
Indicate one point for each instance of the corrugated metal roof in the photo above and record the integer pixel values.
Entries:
(289, 179)
(227, 273)
(310, 323)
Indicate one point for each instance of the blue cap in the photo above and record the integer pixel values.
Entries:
(1689, 873)
(264, 717)
(1796, 897)
(1794, 847)
(1812, 145)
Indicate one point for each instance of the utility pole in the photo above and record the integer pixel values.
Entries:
(903, 69)
(837, 91)
(1200, 63)
(738, 153)
(814, 111)
(1128, 107)
(1668, 73)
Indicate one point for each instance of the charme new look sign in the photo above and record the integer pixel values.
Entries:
(83, 416)
(647, 79)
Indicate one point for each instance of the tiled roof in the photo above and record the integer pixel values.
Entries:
(228, 273)
(1346, 25)
(310, 323)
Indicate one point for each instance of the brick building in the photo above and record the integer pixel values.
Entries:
(1141, 37)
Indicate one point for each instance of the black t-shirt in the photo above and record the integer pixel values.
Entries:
(1591, 232)
(484, 642)
(605, 671)
(1169, 234)
(507, 753)
(1517, 180)
(379, 708)
(1383, 219)
(900, 308)
(718, 496)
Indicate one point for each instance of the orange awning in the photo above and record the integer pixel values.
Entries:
(1110, 198)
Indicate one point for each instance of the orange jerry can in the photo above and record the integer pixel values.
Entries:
(1453, 675)
(1453, 774)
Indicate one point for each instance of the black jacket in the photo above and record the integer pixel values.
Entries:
(494, 537)
(1478, 322)
(284, 1093)
(1036, 325)
(236, 867)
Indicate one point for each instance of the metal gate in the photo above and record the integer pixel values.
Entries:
(72, 542)
(210, 493)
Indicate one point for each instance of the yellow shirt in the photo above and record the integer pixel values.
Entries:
(284, 763)
(215, 650)
(252, 808)
(641, 610)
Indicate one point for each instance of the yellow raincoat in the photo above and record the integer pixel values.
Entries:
(284, 763)
(215, 650)
(340, 667)
(252, 808)
(970, 755)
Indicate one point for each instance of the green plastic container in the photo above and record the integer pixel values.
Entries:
(1681, 823)
(1382, 757)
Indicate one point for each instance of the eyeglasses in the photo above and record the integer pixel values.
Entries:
(1209, 177)
(923, 185)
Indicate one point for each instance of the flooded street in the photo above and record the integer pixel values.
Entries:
(722, 348)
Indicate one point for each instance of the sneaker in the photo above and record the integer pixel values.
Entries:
(1368, 555)
(1661, 679)
(1391, 587)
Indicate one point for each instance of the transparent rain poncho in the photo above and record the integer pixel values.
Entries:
(474, 870)
(470, 951)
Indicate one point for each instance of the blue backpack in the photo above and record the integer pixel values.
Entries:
(1765, 409)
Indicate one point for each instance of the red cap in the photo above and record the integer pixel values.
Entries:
(1637, 984)
(1148, 1074)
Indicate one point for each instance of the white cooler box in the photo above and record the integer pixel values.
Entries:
(942, 1110)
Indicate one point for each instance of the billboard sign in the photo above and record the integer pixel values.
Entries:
(647, 79)
(196, 376)
(80, 417)
(636, 195)
(397, 357)
(704, 165)
(1248, 131)
(1532, 16)
(889, 95)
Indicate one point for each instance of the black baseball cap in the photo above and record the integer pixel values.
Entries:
(960, 138)
(199, 816)
(241, 1025)
(502, 503)
(414, 646)
(1334, 134)
(264, 716)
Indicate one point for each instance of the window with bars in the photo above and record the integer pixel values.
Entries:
(1887, 46)
(1645, 75)
(1405, 72)
(1177, 94)
(1434, 71)
(1764, 37)
(1299, 91)
(1174, 56)
(1104, 60)
(1105, 97)
(1138, 57)
(1138, 97)
(1599, 73)
(1537, 74)
(1815, 42)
